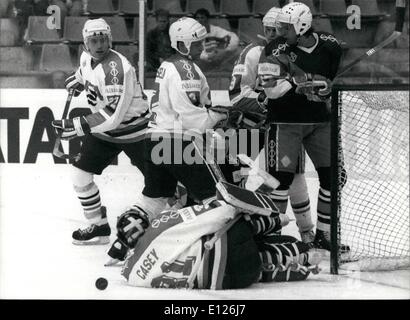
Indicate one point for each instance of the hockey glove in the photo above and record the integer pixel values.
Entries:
(74, 82)
(71, 128)
(315, 87)
(117, 252)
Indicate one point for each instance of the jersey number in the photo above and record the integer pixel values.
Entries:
(182, 267)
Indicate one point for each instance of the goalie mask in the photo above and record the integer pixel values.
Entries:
(131, 225)
(96, 33)
(186, 30)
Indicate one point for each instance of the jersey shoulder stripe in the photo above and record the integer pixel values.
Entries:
(244, 52)
(113, 69)
(328, 40)
(185, 68)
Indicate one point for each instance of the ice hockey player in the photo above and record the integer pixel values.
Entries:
(211, 246)
(179, 113)
(117, 122)
(308, 60)
(244, 90)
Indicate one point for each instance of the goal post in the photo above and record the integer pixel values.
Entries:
(370, 208)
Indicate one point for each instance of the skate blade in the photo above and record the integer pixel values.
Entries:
(93, 242)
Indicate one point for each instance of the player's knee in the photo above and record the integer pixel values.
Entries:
(81, 178)
(324, 177)
(285, 179)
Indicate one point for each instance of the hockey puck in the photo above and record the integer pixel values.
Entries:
(101, 283)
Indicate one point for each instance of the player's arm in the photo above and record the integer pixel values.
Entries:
(75, 80)
(244, 75)
(191, 105)
(274, 78)
(335, 52)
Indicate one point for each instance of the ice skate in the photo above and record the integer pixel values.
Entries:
(94, 234)
(322, 241)
(307, 236)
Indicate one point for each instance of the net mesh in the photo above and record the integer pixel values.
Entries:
(374, 199)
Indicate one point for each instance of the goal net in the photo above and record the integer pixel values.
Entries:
(373, 201)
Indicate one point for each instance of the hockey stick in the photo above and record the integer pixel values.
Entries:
(217, 235)
(400, 12)
(57, 151)
(248, 201)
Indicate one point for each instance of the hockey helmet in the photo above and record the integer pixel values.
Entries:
(186, 30)
(297, 14)
(131, 225)
(96, 27)
(270, 18)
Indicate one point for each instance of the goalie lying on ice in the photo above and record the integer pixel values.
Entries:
(173, 250)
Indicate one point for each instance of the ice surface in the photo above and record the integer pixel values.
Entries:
(39, 211)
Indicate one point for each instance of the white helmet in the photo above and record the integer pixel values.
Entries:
(299, 15)
(186, 30)
(96, 27)
(270, 18)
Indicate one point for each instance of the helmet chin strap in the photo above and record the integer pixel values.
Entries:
(188, 49)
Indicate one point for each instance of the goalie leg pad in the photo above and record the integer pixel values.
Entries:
(287, 261)
(243, 264)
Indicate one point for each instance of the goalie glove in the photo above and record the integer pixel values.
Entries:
(117, 252)
(71, 128)
(240, 119)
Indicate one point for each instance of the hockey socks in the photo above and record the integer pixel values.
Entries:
(90, 200)
(299, 200)
(323, 210)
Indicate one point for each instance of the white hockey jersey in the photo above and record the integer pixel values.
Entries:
(181, 99)
(171, 253)
(249, 74)
(115, 97)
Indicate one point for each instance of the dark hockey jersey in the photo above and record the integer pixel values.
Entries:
(321, 59)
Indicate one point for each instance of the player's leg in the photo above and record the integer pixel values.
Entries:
(95, 156)
(135, 151)
(284, 258)
(317, 144)
(282, 159)
(195, 176)
(300, 202)
(159, 184)
(243, 263)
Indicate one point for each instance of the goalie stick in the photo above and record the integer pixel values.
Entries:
(249, 201)
(57, 151)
